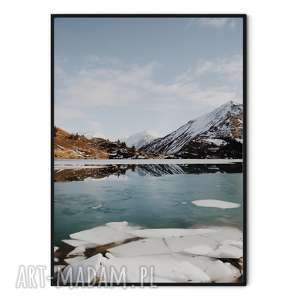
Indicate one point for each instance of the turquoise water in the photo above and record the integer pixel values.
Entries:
(151, 199)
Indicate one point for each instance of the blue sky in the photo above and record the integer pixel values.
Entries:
(117, 76)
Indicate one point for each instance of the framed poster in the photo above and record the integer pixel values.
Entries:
(148, 157)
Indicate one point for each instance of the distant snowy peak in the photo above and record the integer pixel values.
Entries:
(140, 139)
(224, 121)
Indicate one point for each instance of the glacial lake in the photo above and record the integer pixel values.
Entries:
(150, 196)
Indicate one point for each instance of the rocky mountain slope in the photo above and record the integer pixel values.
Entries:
(217, 134)
(75, 146)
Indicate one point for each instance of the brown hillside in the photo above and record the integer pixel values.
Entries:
(70, 146)
(75, 146)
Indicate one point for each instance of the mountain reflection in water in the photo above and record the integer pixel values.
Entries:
(80, 174)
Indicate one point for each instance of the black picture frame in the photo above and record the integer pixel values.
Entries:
(243, 281)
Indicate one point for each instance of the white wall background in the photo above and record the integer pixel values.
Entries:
(274, 203)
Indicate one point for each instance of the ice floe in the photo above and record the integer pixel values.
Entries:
(176, 254)
(118, 225)
(58, 268)
(83, 271)
(228, 251)
(141, 247)
(166, 269)
(178, 244)
(215, 203)
(77, 251)
(167, 232)
(74, 260)
(217, 270)
(222, 251)
(109, 255)
(225, 234)
(77, 243)
(225, 242)
(102, 235)
(207, 242)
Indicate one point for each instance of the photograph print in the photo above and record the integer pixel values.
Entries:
(148, 149)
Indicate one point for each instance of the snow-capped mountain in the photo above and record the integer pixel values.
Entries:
(140, 139)
(226, 121)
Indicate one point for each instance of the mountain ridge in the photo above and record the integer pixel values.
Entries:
(217, 134)
(225, 123)
(74, 146)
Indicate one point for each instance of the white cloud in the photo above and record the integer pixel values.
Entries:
(136, 86)
(107, 86)
(216, 22)
(229, 68)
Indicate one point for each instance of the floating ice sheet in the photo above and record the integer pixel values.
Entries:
(177, 255)
(222, 251)
(215, 203)
(77, 251)
(217, 270)
(77, 243)
(222, 234)
(74, 260)
(165, 268)
(141, 247)
(168, 232)
(178, 244)
(101, 235)
(58, 268)
(83, 271)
